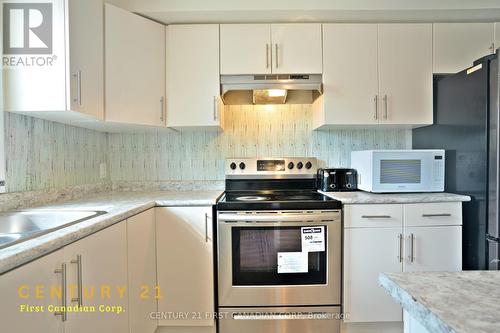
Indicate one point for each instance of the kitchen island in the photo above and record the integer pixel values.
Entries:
(447, 302)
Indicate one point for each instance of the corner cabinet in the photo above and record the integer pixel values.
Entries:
(384, 79)
(395, 238)
(292, 48)
(193, 82)
(184, 239)
(135, 69)
(66, 83)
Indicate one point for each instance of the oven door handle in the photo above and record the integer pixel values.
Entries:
(235, 218)
(281, 316)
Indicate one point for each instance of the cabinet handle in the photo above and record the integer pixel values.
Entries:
(62, 271)
(400, 248)
(78, 262)
(162, 108)
(276, 55)
(412, 241)
(78, 77)
(376, 216)
(436, 215)
(215, 108)
(386, 113)
(492, 48)
(267, 55)
(376, 107)
(206, 228)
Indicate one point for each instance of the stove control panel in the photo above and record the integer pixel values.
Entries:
(271, 167)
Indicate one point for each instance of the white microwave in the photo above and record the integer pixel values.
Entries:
(385, 171)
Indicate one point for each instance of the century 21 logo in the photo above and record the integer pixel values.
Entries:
(27, 28)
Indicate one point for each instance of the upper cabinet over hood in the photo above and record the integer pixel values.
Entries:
(270, 49)
(266, 58)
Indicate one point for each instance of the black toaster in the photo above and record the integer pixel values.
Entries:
(337, 180)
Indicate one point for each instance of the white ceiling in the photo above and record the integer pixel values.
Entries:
(220, 11)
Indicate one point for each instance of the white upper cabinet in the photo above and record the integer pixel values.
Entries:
(86, 64)
(293, 48)
(193, 81)
(245, 49)
(296, 48)
(375, 74)
(67, 73)
(458, 45)
(350, 76)
(405, 74)
(135, 69)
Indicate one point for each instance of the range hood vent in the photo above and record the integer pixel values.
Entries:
(264, 86)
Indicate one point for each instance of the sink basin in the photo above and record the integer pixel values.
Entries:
(20, 226)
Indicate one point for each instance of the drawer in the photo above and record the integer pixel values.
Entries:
(433, 214)
(373, 216)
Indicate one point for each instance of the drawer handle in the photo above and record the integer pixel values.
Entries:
(436, 215)
(376, 216)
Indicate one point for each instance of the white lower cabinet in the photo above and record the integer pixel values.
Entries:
(141, 249)
(395, 238)
(101, 262)
(31, 285)
(185, 265)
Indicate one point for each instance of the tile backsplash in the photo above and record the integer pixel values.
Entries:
(263, 130)
(42, 154)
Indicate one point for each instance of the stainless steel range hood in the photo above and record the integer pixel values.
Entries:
(271, 88)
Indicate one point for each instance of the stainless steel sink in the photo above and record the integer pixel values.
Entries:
(21, 226)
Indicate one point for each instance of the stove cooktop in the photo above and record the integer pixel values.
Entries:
(276, 200)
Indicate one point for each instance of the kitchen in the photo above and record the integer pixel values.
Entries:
(194, 167)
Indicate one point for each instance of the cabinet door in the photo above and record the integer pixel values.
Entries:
(185, 263)
(103, 282)
(458, 45)
(433, 249)
(193, 75)
(296, 48)
(367, 253)
(497, 35)
(350, 74)
(86, 57)
(405, 73)
(245, 49)
(20, 286)
(135, 69)
(141, 244)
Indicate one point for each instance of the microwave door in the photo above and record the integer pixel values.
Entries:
(395, 173)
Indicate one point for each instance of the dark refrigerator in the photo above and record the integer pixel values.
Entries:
(466, 125)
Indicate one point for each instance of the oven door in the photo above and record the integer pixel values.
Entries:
(262, 261)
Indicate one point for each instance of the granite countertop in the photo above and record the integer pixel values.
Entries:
(449, 302)
(119, 205)
(361, 197)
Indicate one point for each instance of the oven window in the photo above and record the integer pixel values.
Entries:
(400, 171)
(255, 257)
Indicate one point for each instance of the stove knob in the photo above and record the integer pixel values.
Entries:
(308, 165)
(242, 166)
(233, 166)
(300, 165)
(291, 165)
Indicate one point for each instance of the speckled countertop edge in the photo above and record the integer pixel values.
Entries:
(418, 311)
(361, 197)
(119, 205)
